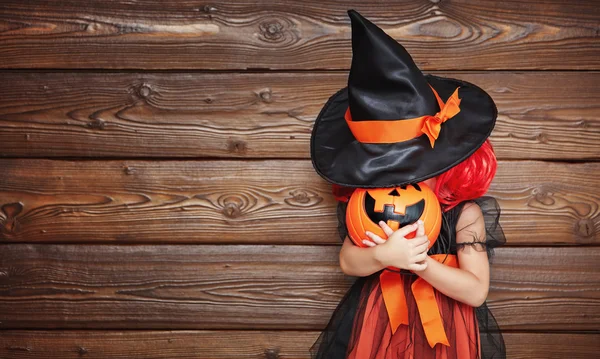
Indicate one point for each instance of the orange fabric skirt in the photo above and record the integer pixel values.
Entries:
(372, 336)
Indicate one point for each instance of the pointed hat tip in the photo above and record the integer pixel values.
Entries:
(360, 23)
(354, 15)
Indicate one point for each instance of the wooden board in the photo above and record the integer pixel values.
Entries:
(266, 202)
(181, 115)
(156, 197)
(248, 345)
(486, 34)
(258, 287)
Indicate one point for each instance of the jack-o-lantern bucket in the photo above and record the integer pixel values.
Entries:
(398, 207)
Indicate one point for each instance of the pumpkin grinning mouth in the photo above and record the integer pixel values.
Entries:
(412, 214)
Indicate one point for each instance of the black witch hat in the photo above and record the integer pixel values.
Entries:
(393, 124)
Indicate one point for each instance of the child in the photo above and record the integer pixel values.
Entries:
(391, 127)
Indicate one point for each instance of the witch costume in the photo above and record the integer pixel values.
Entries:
(392, 126)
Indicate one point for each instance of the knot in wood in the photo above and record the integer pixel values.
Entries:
(232, 206)
(303, 198)
(10, 226)
(11, 211)
(582, 124)
(300, 196)
(93, 27)
(585, 228)
(272, 353)
(144, 91)
(237, 146)
(265, 95)
(129, 170)
(542, 137)
(97, 123)
(271, 30)
(541, 195)
(209, 9)
(129, 28)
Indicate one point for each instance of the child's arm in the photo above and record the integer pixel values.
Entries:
(397, 251)
(470, 282)
(357, 261)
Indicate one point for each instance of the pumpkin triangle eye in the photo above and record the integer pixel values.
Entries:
(394, 193)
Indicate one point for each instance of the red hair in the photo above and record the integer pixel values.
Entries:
(469, 179)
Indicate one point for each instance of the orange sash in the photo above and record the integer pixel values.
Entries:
(392, 288)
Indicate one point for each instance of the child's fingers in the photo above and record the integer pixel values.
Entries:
(417, 267)
(379, 240)
(375, 238)
(422, 247)
(368, 243)
(419, 240)
(404, 231)
(386, 229)
(420, 228)
(420, 257)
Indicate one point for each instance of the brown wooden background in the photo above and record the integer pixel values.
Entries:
(157, 198)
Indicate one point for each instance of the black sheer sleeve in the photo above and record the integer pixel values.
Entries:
(494, 236)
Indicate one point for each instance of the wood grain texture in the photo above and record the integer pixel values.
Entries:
(267, 202)
(207, 344)
(254, 202)
(261, 115)
(258, 287)
(486, 34)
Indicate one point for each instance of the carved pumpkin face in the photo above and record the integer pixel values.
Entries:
(397, 207)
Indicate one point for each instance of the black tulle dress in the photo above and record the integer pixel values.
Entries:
(359, 327)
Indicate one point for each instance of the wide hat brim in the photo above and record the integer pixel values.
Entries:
(340, 158)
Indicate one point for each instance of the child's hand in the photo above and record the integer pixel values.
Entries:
(397, 250)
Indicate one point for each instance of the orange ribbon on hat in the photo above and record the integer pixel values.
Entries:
(392, 289)
(382, 131)
(433, 124)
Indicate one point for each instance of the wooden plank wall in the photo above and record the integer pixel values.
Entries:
(157, 198)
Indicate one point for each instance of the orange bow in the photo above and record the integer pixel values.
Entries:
(392, 288)
(433, 124)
